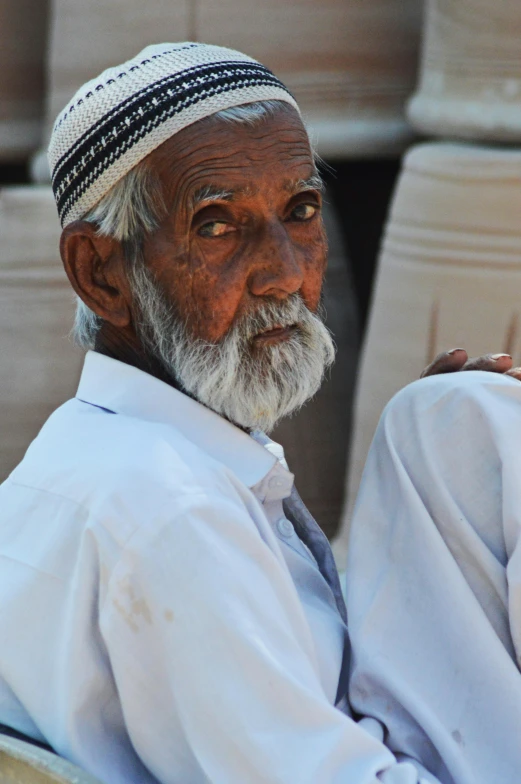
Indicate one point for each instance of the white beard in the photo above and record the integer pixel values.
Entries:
(252, 386)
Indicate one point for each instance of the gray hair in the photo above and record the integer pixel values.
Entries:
(134, 207)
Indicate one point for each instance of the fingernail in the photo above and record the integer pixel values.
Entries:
(498, 356)
(453, 350)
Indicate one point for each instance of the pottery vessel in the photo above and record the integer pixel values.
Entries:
(470, 82)
(449, 275)
(40, 367)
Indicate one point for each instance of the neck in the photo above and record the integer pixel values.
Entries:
(126, 348)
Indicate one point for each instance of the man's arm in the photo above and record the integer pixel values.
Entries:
(214, 661)
(432, 565)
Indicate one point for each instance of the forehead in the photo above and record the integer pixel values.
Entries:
(274, 153)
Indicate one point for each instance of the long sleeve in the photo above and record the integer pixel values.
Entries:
(434, 578)
(214, 662)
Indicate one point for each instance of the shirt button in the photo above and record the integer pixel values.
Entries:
(276, 481)
(285, 528)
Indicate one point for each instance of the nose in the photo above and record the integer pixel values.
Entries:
(276, 269)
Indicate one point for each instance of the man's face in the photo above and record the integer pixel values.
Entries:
(243, 224)
(231, 280)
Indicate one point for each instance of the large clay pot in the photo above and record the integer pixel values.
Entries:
(39, 366)
(23, 38)
(470, 85)
(350, 65)
(449, 275)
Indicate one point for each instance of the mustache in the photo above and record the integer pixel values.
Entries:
(272, 314)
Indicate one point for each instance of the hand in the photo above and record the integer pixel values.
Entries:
(457, 359)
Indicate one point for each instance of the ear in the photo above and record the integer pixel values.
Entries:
(95, 267)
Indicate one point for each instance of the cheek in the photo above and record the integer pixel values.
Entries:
(212, 299)
(314, 266)
(206, 292)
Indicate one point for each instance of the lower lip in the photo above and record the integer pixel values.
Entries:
(275, 335)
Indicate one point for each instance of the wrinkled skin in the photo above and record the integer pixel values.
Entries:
(222, 258)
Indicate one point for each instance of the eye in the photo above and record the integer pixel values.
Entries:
(215, 229)
(304, 212)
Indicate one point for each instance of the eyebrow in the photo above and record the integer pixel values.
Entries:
(312, 183)
(209, 193)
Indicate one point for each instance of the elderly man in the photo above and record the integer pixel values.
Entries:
(169, 610)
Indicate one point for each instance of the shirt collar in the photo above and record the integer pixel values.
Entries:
(276, 449)
(123, 389)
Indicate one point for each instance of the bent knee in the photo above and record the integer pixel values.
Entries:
(475, 390)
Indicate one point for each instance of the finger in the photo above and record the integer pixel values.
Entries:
(494, 363)
(514, 372)
(446, 362)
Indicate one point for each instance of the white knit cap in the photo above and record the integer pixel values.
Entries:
(117, 119)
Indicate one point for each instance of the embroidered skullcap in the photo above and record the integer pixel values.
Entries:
(117, 119)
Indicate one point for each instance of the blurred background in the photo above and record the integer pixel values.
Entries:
(415, 110)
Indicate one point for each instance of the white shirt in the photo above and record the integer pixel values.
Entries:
(434, 577)
(160, 620)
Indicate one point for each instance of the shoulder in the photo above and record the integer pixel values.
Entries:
(121, 468)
